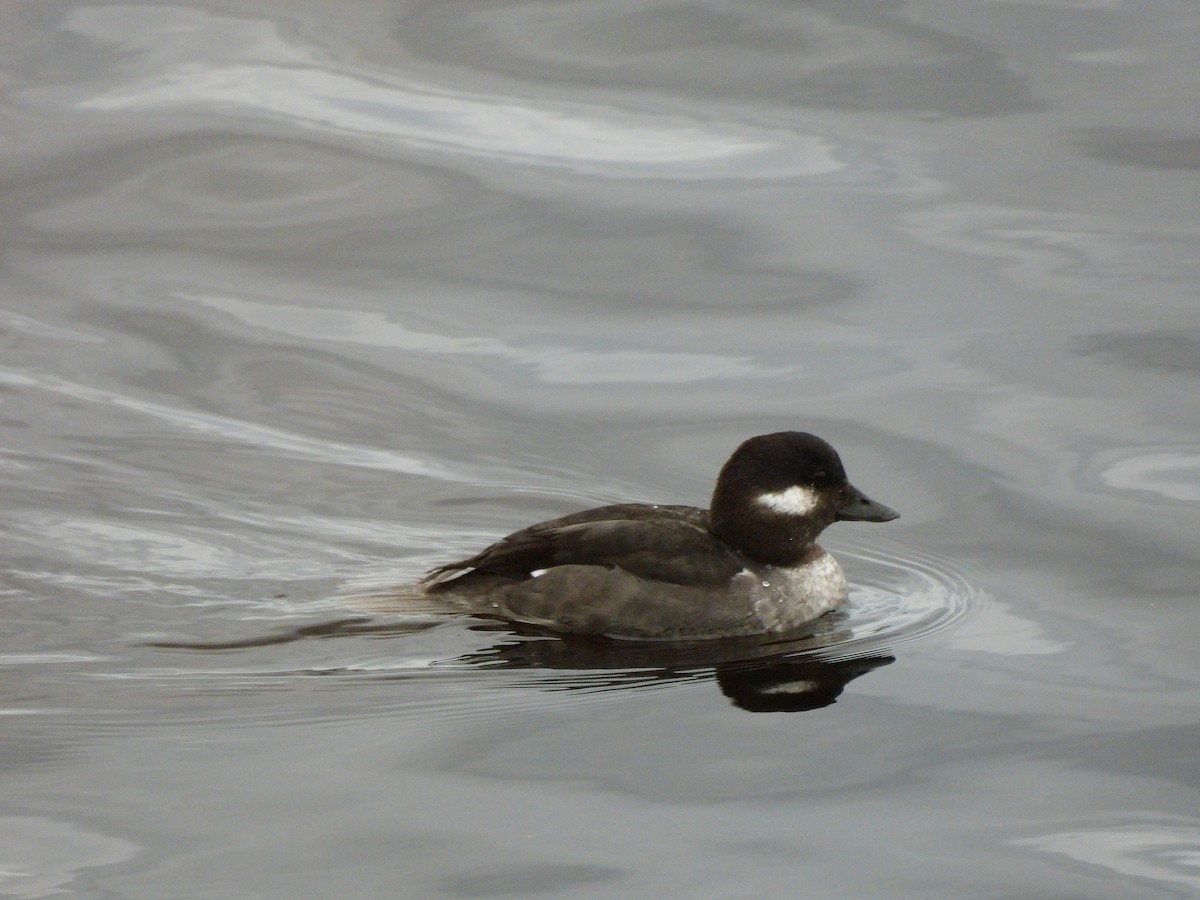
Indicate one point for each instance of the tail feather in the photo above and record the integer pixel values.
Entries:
(408, 600)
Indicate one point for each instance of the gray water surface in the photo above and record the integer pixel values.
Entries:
(298, 300)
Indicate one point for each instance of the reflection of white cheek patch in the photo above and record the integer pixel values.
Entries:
(795, 501)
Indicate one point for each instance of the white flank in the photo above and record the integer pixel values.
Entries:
(795, 501)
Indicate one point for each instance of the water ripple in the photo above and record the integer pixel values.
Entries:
(260, 76)
(1164, 852)
(453, 667)
(554, 364)
(283, 443)
(900, 596)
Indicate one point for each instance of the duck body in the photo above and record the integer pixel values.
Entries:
(748, 566)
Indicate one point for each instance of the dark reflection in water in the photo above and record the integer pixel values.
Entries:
(794, 53)
(1144, 147)
(522, 880)
(1161, 350)
(336, 628)
(757, 675)
(793, 685)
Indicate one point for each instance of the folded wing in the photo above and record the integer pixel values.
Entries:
(670, 544)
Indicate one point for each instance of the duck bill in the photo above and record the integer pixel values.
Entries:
(861, 508)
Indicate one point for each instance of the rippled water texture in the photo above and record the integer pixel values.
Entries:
(299, 300)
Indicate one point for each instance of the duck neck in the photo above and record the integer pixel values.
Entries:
(772, 538)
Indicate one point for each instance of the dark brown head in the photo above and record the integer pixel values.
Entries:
(779, 491)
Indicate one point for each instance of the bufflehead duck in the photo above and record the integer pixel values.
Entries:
(748, 566)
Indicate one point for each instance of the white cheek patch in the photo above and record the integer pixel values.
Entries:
(797, 500)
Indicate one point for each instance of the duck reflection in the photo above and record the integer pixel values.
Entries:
(780, 675)
(784, 674)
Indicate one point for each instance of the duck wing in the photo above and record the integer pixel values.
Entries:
(669, 544)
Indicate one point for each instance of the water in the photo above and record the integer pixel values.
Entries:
(298, 302)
